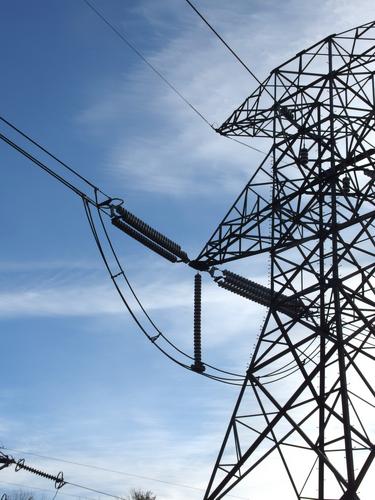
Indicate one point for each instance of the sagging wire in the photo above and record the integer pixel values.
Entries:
(159, 333)
(284, 371)
(233, 378)
(102, 208)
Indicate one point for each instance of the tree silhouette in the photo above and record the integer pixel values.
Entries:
(141, 495)
(22, 495)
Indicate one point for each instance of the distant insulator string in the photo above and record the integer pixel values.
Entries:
(7, 460)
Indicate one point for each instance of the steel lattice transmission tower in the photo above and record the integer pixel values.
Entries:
(309, 392)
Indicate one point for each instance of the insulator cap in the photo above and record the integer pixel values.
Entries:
(198, 367)
(287, 113)
(304, 156)
(346, 184)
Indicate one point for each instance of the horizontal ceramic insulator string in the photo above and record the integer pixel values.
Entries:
(261, 293)
(142, 239)
(151, 233)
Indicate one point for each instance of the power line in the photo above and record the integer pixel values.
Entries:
(44, 167)
(105, 469)
(102, 209)
(131, 45)
(94, 490)
(225, 43)
(246, 145)
(49, 169)
(19, 485)
(7, 460)
(42, 148)
(22, 485)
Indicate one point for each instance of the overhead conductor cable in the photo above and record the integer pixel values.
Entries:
(132, 46)
(227, 46)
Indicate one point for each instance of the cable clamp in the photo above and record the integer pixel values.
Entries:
(105, 203)
(20, 464)
(59, 482)
(109, 203)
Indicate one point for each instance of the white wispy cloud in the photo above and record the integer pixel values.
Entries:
(177, 154)
(144, 444)
(169, 299)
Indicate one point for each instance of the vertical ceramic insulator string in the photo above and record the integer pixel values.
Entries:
(198, 365)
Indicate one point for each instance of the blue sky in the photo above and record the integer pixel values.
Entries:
(78, 380)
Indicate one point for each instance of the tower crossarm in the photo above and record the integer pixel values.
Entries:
(254, 117)
(245, 229)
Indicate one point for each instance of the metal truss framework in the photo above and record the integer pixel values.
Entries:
(309, 392)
